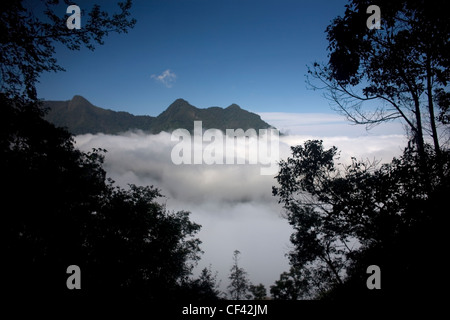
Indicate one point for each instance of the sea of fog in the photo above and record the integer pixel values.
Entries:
(234, 202)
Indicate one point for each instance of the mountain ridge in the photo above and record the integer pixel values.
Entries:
(80, 116)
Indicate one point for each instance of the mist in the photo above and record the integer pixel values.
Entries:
(233, 203)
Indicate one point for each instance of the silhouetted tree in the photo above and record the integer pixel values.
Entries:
(304, 183)
(31, 29)
(258, 292)
(205, 287)
(138, 249)
(239, 283)
(292, 285)
(58, 208)
(398, 71)
(347, 218)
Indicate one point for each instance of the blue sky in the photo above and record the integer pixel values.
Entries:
(209, 52)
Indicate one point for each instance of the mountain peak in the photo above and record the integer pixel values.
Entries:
(233, 106)
(180, 100)
(79, 99)
(179, 105)
(79, 103)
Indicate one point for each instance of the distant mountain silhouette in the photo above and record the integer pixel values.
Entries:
(79, 116)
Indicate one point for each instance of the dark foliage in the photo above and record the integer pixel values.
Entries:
(205, 288)
(258, 292)
(28, 38)
(58, 207)
(60, 210)
(400, 71)
(292, 285)
(348, 218)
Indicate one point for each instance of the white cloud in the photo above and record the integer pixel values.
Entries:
(325, 125)
(167, 78)
(233, 203)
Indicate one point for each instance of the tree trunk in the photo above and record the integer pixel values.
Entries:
(431, 109)
(419, 130)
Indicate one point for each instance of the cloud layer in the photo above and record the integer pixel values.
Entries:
(233, 203)
(325, 125)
